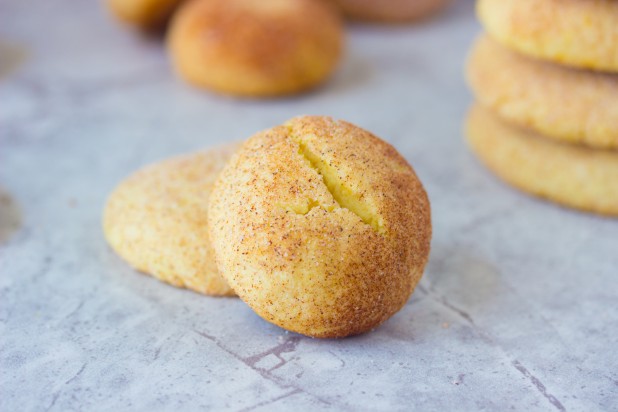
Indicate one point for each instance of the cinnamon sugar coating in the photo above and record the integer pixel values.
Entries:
(156, 220)
(321, 227)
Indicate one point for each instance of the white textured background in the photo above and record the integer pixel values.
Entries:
(518, 308)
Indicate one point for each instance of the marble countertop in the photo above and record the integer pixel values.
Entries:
(518, 308)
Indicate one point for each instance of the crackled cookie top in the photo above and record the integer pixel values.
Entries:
(321, 227)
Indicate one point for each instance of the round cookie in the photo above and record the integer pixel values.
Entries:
(143, 13)
(156, 220)
(321, 227)
(577, 106)
(574, 176)
(580, 33)
(390, 11)
(255, 47)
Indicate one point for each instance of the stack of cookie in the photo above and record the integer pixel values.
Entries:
(545, 79)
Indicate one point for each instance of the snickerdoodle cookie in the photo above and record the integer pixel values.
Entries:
(575, 176)
(321, 227)
(390, 11)
(143, 13)
(580, 33)
(577, 106)
(157, 220)
(256, 48)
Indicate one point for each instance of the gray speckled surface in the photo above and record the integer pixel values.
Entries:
(518, 308)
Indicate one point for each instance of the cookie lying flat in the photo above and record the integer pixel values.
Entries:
(256, 47)
(573, 105)
(143, 13)
(575, 176)
(390, 11)
(581, 33)
(157, 221)
(321, 227)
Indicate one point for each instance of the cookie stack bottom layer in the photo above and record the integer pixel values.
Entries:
(574, 176)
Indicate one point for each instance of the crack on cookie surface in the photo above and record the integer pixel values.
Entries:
(343, 196)
(304, 208)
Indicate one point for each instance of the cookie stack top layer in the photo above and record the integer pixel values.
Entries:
(577, 33)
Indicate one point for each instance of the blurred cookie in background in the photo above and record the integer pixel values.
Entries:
(144, 14)
(256, 48)
(390, 11)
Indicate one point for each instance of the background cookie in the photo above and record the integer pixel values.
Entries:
(574, 176)
(143, 13)
(321, 227)
(157, 220)
(582, 33)
(256, 47)
(578, 106)
(395, 11)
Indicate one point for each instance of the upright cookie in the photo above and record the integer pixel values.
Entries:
(321, 227)
(574, 176)
(156, 220)
(580, 33)
(390, 11)
(577, 106)
(143, 13)
(254, 47)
